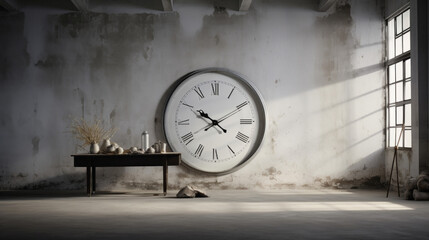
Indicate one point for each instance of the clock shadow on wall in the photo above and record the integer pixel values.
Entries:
(215, 118)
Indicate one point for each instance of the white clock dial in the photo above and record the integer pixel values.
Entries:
(216, 120)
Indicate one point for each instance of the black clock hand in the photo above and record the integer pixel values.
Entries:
(205, 115)
(214, 122)
(224, 117)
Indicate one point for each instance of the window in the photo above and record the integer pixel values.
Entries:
(398, 84)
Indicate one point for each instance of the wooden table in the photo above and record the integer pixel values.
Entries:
(91, 161)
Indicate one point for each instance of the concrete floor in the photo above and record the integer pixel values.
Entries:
(240, 214)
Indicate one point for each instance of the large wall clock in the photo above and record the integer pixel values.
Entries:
(216, 119)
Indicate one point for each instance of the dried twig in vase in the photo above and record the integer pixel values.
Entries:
(91, 133)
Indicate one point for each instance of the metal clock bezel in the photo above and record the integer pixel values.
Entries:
(260, 101)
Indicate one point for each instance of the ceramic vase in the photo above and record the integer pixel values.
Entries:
(157, 147)
(94, 148)
(105, 144)
(163, 147)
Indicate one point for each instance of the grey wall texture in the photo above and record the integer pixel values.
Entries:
(321, 75)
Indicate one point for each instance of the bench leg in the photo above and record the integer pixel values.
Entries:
(165, 177)
(93, 180)
(88, 181)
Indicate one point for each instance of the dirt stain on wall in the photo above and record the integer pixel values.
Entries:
(342, 183)
(112, 116)
(102, 47)
(14, 55)
(35, 142)
(81, 96)
(271, 173)
(337, 42)
(51, 61)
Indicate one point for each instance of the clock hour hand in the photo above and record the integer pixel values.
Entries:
(224, 117)
(214, 122)
(203, 114)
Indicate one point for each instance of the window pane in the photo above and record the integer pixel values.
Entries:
(399, 71)
(407, 92)
(392, 94)
(391, 137)
(399, 140)
(387, 124)
(406, 19)
(408, 115)
(398, 24)
(407, 138)
(398, 82)
(398, 44)
(399, 115)
(392, 73)
(391, 38)
(400, 91)
(407, 42)
(392, 122)
(408, 68)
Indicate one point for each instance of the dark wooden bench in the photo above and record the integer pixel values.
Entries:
(91, 161)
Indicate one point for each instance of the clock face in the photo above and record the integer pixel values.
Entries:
(216, 119)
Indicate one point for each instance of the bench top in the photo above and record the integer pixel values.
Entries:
(123, 160)
(125, 154)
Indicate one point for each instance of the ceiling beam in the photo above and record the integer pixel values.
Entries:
(81, 5)
(324, 5)
(167, 5)
(244, 5)
(6, 5)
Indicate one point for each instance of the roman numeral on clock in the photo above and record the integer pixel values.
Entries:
(231, 93)
(230, 149)
(199, 150)
(183, 122)
(199, 92)
(215, 88)
(187, 105)
(242, 105)
(215, 156)
(246, 121)
(242, 137)
(187, 138)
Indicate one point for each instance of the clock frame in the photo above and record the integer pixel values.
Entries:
(216, 119)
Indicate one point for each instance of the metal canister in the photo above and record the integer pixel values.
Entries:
(145, 140)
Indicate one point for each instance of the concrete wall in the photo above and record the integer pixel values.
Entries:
(321, 75)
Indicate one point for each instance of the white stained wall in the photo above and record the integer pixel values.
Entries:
(320, 73)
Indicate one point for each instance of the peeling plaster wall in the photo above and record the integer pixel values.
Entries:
(406, 168)
(321, 75)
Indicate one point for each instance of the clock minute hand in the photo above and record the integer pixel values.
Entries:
(229, 115)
